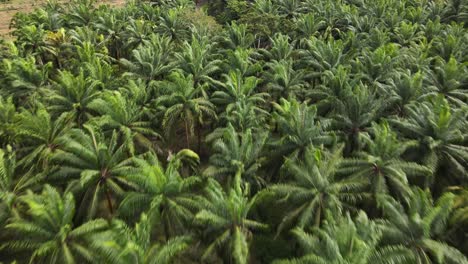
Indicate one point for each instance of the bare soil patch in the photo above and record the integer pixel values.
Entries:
(10, 8)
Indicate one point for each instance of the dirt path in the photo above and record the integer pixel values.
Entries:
(10, 8)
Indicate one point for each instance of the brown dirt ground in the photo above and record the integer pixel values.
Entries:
(10, 8)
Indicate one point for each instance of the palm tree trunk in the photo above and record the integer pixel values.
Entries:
(199, 138)
(187, 133)
(109, 202)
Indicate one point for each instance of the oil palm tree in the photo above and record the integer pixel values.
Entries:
(134, 244)
(182, 101)
(39, 134)
(285, 81)
(314, 187)
(382, 164)
(152, 60)
(8, 121)
(237, 152)
(72, 94)
(298, 128)
(124, 115)
(198, 59)
(94, 168)
(440, 131)
(345, 240)
(418, 226)
(225, 219)
(52, 237)
(162, 192)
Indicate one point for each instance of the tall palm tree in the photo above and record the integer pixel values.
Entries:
(382, 164)
(94, 168)
(183, 101)
(345, 240)
(224, 217)
(162, 192)
(314, 187)
(47, 232)
(418, 226)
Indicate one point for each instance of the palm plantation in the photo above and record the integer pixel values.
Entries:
(235, 131)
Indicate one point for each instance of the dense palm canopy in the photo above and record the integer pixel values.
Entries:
(235, 131)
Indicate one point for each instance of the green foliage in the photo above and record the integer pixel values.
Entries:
(233, 131)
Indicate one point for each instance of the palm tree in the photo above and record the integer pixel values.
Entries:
(40, 133)
(238, 152)
(23, 78)
(162, 192)
(124, 115)
(72, 94)
(134, 244)
(418, 226)
(13, 184)
(94, 168)
(314, 187)
(440, 131)
(449, 79)
(237, 36)
(281, 49)
(8, 121)
(343, 240)
(381, 163)
(47, 232)
(171, 25)
(183, 101)
(152, 60)
(197, 59)
(355, 113)
(224, 217)
(239, 91)
(298, 128)
(285, 81)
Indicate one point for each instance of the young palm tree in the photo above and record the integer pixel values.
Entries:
(237, 152)
(47, 232)
(182, 101)
(162, 192)
(381, 163)
(418, 226)
(345, 240)
(314, 187)
(224, 217)
(94, 168)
